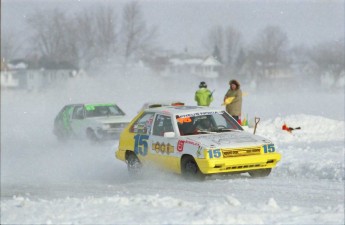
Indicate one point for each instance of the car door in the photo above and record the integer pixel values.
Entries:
(62, 126)
(78, 121)
(138, 136)
(66, 116)
(163, 148)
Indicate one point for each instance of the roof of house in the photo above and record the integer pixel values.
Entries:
(39, 64)
(211, 61)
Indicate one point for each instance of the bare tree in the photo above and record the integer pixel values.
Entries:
(51, 35)
(215, 40)
(137, 38)
(88, 36)
(233, 45)
(9, 45)
(270, 49)
(106, 30)
(272, 44)
(330, 57)
(85, 38)
(95, 34)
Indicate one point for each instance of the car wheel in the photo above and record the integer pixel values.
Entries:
(61, 135)
(133, 164)
(260, 173)
(91, 135)
(61, 138)
(190, 169)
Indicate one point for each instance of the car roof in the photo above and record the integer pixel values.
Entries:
(93, 104)
(183, 109)
(162, 104)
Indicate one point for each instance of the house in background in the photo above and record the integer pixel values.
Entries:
(36, 74)
(208, 67)
(8, 79)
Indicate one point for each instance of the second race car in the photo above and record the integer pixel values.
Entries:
(96, 122)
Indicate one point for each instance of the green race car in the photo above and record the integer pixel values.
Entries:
(93, 121)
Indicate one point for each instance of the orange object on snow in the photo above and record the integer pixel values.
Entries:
(285, 127)
(289, 129)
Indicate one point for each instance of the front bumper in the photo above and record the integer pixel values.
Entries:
(238, 164)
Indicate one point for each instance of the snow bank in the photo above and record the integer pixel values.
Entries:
(149, 208)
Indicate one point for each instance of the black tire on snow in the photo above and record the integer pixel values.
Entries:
(91, 135)
(190, 169)
(133, 164)
(260, 173)
(62, 135)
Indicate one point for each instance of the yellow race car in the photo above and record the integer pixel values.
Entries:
(194, 141)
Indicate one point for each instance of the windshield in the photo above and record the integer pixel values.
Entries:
(103, 110)
(206, 122)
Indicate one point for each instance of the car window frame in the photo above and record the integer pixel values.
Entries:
(74, 117)
(148, 127)
(155, 121)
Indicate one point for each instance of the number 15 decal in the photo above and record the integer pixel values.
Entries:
(214, 153)
(140, 144)
(269, 148)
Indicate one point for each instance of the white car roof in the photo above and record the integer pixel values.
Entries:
(175, 110)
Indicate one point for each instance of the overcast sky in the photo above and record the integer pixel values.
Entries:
(184, 23)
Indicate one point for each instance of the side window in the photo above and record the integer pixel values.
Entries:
(66, 113)
(220, 120)
(226, 121)
(143, 124)
(78, 113)
(161, 125)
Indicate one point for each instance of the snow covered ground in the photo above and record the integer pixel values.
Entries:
(47, 182)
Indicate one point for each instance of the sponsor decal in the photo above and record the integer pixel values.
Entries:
(163, 148)
(182, 120)
(180, 145)
(198, 153)
(198, 114)
(139, 128)
(192, 142)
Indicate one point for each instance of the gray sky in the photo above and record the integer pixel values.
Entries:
(184, 23)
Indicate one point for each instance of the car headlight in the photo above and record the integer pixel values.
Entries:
(106, 126)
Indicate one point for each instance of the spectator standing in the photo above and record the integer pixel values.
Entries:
(203, 96)
(233, 100)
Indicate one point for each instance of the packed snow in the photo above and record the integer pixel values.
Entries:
(47, 182)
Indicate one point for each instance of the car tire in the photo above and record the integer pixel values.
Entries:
(133, 164)
(91, 135)
(260, 173)
(190, 169)
(61, 135)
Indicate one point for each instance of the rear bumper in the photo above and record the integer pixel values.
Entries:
(120, 154)
(238, 164)
(109, 134)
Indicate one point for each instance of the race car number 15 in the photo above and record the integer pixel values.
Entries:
(269, 148)
(140, 144)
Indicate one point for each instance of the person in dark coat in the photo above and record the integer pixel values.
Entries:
(233, 100)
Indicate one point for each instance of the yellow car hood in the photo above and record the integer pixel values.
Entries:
(231, 139)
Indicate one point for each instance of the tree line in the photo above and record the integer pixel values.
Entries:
(88, 37)
(94, 35)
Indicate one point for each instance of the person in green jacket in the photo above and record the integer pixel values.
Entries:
(203, 96)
